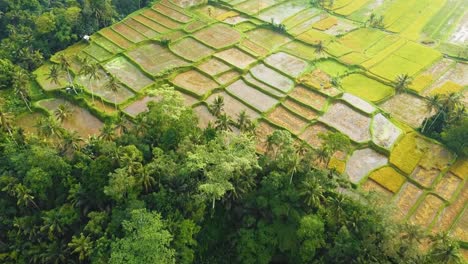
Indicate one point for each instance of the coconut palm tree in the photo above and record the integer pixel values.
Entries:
(217, 106)
(319, 47)
(402, 82)
(147, 180)
(312, 192)
(48, 127)
(243, 121)
(113, 85)
(433, 103)
(121, 123)
(5, 118)
(71, 141)
(82, 245)
(107, 132)
(54, 74)
(63, 112)
(64, 65)
(223, 123)
(20, 82)
(24, 196)
(90, 70)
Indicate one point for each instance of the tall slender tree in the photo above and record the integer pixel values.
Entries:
(402, 83)
(64, 65)
(90, 70)
(20, 81)
(113, 85)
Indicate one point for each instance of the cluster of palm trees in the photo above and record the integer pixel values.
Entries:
(402, 82)
(225, 123)
(449, 110)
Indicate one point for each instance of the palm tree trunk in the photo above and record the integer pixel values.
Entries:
(92, 90)
(70, 81)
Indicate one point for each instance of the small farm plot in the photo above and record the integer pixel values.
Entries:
(460, 230)
(267, 38)
(362, 162)
(427, 211)
(312, 132)
(362, 39)
(262, 131)
(384, 132)
(314, 36)
(128, 32)
(456, 74)
(187, 3)
(389, 178)
(309, 97)
(382, 194)
(204, 116)
(97, 52)
(161, 19)
(218, 36)
(214, 67)
(262, 86)
(151, 24)
(460, 168)
(325, 23)
(300, 109)
(287, 119)
(141, 28)
(154, 58)
(195, 25)
(450, 213)
(271, 77)
(98, 87)
(342, 27)
(425, 177)
(251, 96)
(358, 103)
(366, 88)
(191, 49)
(227, 77)
(446, 88)
(332, 67)
(408, 108)
(407, 153)
(299, 49)
(393, 66)
(233, 107)
(316, 79)
(106, 44)
(447, 186)
(286, 63)
(139, 106)
(436, 156)
(253, 48)
(81, 121)
(409, 194)
(236, 57)
(348, 121)
(173, 14)
(254, 6)
(301, 17)
(127, 73)
(195, 82)
(116, 38)
(279, 13)
(296, 28)
(47, 83)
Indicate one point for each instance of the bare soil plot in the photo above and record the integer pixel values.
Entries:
(98, 52)
(218, 36)
(436, 156)
(371, 186)
(174, 14)
(460, 230)
(300, 109)
(228, 77)
(235, 20)
(362, 162)
(426, 211)
(263, 86)
(408, 108)
(349, 122)
(286, 63)
(214, 67)
(309, 97)
(195, 25)
(267, 38)
(191, 49)
(262, 132)
(127, 73)
(425, 177)
(42, 77)
(311, 134)
(188, 99)
(366, 88)
(195, 82)
(406, 199)
(253, 48)
(139, 106)
(450, 213)
(115, 38)
(233, 107)
(384, 132)
(161, 19)
(204, 116)
(279, 13)
(151, 24)
(236, 57)
(287, 119)
(358, 103)
(154, 58)
(388, 178)
(81, 121)
(28, 122)
(272, 78)
(141, 28)
(128, 32)
(251, 96)
(447, 186)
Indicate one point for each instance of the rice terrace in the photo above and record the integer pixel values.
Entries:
(368, 69)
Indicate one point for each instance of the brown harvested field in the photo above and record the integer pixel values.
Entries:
(286, 63)
(214, 67)
(195, 82)
(195, 25)
(362, 162)
(151, 24)
(309, 97)
(287, 119)
(272, 78)
(28, 122)
(383, 194)
(236, 57)
(426, 211)
(300, 109)
(448, 186)
(406, 198)
(311, 134)
(161, 19)
(262, 132)
(348, 121)
(191, 49)
(425, 177)
(218, 36)
(188, 99)
(450, 213)
(141, 28)
(262, 86)
(233, 107)
(317, 79)
(384, 132)
(176, 15)
(154, 58)
(204, 116)
(398, 107)
(228, 77)
(127, 73)
(139, 106)
(115, 38)
(436, 156)
(266, 38)
(253, 7)
(460, 230)
(251, 96)
(253, 48)
(128, 32)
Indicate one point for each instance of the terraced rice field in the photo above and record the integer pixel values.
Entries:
(283, 81)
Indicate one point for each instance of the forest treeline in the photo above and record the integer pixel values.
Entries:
(161, 190)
